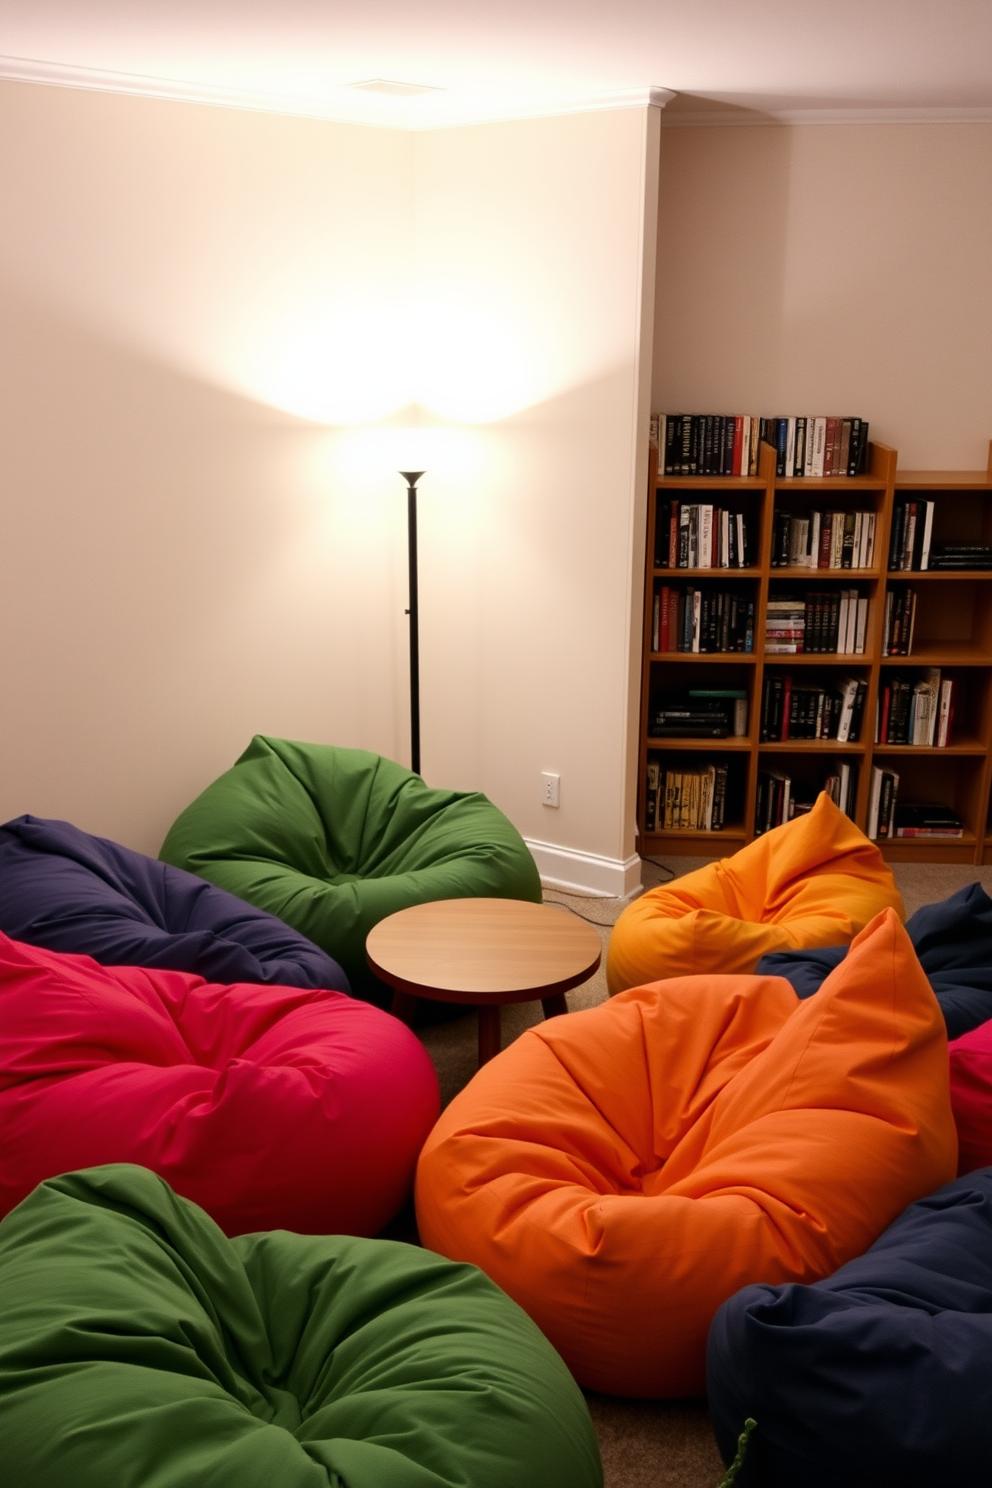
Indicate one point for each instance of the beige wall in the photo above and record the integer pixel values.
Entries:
(190, 556)
(528, 601)
(820, 269)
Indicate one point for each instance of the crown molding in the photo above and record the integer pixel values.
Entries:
(887, 116)
(742, 118)
(438, 109)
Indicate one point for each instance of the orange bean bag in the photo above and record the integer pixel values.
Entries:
(816, 881)
(622, 1171)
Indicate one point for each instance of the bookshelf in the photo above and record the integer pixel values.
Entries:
(952, 630)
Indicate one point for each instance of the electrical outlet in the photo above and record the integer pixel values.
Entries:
(549, 789)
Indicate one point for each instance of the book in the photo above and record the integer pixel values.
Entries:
(887, 803)
(848, 688)
(945, 714)
(927, 535)
(708, 444)
(694, 800)
(874, 801)
(651, 798)
(735, 701)
(926, 819)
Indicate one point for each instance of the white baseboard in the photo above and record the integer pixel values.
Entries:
(586, 873)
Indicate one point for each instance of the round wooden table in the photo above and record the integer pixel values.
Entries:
(483, 953)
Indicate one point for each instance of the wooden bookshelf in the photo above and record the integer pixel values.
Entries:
(953, 631)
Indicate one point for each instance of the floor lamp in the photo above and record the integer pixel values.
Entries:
(412, 477)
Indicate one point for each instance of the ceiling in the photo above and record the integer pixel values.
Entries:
(492, 58)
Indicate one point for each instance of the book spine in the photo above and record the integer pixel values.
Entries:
(844, 455)
(736, 460)
(895, 541)
(651, 796)
(705, 539)
(946, 713)
(909, 538)
(874, 800)
(662, 517)
(789, 468)
(927, 536)
(799, 458)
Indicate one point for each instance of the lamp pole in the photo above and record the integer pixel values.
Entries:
(412, 477)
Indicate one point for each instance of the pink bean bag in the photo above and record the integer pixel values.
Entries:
(270, 1107)
(971, 1096)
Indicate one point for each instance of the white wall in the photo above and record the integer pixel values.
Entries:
(840, 268)
(191, 557)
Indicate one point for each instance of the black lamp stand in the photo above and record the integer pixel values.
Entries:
(412, 477)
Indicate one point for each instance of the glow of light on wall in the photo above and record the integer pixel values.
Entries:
(345, 368)
(470, 367)
(365, 363)
(372, 454)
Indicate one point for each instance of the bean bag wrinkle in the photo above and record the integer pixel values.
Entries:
(953, 940)
(334, 840)
(298, 1108)
(276, 1358)
(877, 1375)
(622, 1171)
(68, 891)
(815, 881)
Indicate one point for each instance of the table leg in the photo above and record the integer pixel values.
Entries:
(553, 1006)
(489, 1033)
(404, 1007)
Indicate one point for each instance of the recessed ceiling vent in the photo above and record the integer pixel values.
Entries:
(394, 89)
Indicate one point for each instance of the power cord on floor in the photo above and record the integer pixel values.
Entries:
(607, 924)
(603, 924)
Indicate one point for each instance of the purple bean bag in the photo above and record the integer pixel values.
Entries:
(64, 890)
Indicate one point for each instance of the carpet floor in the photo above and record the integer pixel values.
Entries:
(645, 1444)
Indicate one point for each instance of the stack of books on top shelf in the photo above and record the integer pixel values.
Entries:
(899, 622)
(701, 620)
(776, 802)
(796, 710)
(685, 800)
(820, 621)
(889, 817)
(728, 444)
(694, 534)
(915, 709)
(823, 539)
(706, 443)
(811, 446)
(701, 713)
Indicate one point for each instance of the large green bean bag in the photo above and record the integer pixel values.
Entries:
(334, 840)
(139, 1348)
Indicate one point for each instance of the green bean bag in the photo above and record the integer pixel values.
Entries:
(139, 1348)
(334, 840)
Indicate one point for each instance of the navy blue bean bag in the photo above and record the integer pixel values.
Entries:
(882, 1374)
(64, 890)
(953, 940)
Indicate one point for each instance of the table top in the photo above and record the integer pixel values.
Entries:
(483, 950)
